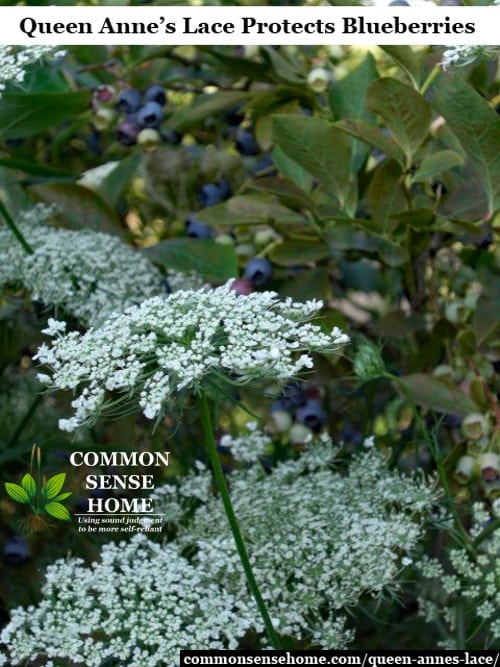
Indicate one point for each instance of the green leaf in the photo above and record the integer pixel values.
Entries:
(286, 191)
(58, 511)
(36, 168)
(373, 136)
(405, 112)
(63, 496)
(308, 284)
(385, 194)
(249, 210)
(409, 59)
(17, 493)
(319, 147)
(486, 321)
(80, 208)
(114, 185)
(437, 394)
(437, 163)
(53, 486)
(205, 105)
(29, 485)
(347, 101)
(292, 253)
(22, 115)
(213, 261)
(283, 68)
(477, 127)
(292, 170)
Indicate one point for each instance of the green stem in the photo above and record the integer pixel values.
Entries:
(467, 542)
(460, 624)
(489, 530)
(15, 229)
(231, 517)
(427, 83)
(30, 412)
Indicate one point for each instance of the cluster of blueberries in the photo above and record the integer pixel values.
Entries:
(143, 111)
(302, 404)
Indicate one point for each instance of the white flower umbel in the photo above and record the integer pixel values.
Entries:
(461, 56)
(317, 539)
(140, 604)
(189, 341)
(14, 61)
(464, 580)
(87, 274)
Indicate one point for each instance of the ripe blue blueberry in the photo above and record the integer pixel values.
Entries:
(150, 115)
(258, 270)
(246, 143)
(399, 3)
(129, 101)
(196, 229)
(266, 165)
(15, 550)
(312, 415)
(156, 94)
(127, 133)
(450, 3)
(214, 193)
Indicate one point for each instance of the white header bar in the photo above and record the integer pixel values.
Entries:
(424, 25)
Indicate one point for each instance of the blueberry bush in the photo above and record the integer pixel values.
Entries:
(279, 264)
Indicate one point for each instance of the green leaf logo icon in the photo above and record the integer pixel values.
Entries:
(53, 486)
(58, 511)
(29, 485)
(17, 493)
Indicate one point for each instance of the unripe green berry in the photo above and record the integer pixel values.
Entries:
(281, 420)
(475, 426)
(263, 237)
(245, 250)
(299, 434)
(148, 138)
(224, 239)
(465, 469)
(318, 79)
(444, 372)
(368, 364)
(104, 117)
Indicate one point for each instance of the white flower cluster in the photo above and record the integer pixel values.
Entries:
(317, 539)
(87, 274)
(476, 582)
(14, 60)
(249, 447)
(460, 56)
(165, 346)
(140, 604)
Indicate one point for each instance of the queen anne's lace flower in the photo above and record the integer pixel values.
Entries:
(88, 274)
(155, 351)
(476, 582)
(140, 604)
(317, 539)
(460, 56)
(14, 60)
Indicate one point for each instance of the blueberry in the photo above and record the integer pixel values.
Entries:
(450, 3)
(312, 415)
(166, 286)
(171, 137)
(258, 270)
(234, 115)
(214, 193)
(156, 94)
(266, 163)
(399, 3)
(246, 143)
(127, 133)
(242, 287)
(15, 550)
(129, 101)
(294, 394)
(150, 115)
(197, 230)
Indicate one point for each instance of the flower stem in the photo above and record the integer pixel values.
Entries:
(233, 522)
(15, 229)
